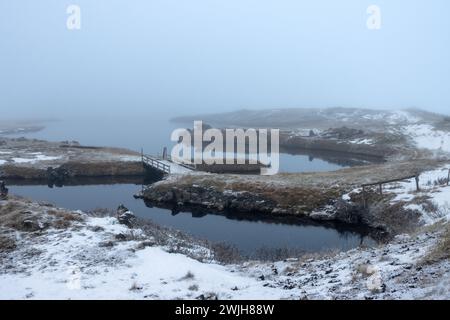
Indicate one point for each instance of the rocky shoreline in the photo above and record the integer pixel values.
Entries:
(210, 200)
(292, 195)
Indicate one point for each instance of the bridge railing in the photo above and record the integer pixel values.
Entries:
(154, 163)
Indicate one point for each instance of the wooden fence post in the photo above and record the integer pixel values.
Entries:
(364, 197)
(417, 183)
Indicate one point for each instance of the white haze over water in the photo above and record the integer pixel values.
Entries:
(164, 58)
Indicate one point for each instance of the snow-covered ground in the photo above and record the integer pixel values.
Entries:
(427, 137)
(75, 264)
(98, 258)
(434, 188)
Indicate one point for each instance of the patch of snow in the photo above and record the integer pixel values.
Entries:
(431, 187)
(175, 168)
(346, 197)
(362, 141)
(426, 137)
(36, 157)
(129, 158)
(46, 158)
(72, 265)
(22, 160)
(399, 116)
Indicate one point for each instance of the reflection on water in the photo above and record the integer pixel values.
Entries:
(245, 233)
(152, 135)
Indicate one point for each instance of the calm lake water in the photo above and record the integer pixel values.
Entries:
(152, 135)
(247, 236)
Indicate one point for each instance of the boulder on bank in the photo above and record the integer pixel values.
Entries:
(125, 216)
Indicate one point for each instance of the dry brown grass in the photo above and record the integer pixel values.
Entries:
(15, 214)
(22, 172)
(7, 244)
(22, 215)
(442, 250)
(63, 219)
(64, 215)
(103, 168)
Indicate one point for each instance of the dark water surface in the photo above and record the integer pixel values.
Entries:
(246, 235)
(152, 135)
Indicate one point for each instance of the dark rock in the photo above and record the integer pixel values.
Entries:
(97, 229)
(107, 244)
(208, 296)
(57, 176)
(145, 244)
(120, 237)
(3, 190)
(344, 133)
(30, 225)
(125, 216)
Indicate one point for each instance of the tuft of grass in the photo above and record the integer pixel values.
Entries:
(67, 216)
(63, 219)
(226, 253)
(7, 244)
(189, 276)
(194, 287)
(442, 250)
(135, 287)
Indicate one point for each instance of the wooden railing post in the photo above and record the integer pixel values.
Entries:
(364, 197)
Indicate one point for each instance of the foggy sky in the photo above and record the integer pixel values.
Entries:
(181, 57)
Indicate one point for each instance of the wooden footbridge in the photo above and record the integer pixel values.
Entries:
(165, 165)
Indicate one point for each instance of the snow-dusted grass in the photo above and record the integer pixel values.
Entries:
(432, 201)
